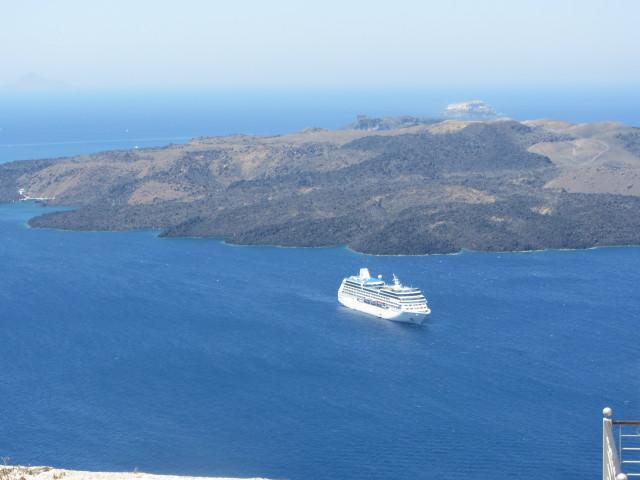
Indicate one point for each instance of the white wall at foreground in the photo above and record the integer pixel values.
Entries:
(46, 473)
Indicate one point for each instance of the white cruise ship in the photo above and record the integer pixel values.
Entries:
(393, 302)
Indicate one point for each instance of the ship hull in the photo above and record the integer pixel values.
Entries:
(386, 313)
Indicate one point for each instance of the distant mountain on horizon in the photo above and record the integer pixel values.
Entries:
(34, 82)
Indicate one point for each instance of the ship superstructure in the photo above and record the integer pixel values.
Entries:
(391, 301)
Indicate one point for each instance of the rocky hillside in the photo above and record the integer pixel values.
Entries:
(405, 185)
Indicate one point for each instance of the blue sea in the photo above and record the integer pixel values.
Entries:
(45, 125)
(124, 350)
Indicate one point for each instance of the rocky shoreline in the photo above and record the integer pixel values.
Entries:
(382, 186)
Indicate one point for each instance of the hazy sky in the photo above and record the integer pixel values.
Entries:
(325, 44)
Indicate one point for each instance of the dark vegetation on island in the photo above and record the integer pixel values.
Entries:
(385, 186)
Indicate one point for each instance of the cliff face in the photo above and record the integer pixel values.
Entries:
(420, 187)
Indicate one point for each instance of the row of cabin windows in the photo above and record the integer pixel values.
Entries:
(359, 285)
(419, 299)
(394, 295)
(366, 293)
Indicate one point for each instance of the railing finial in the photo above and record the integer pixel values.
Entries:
(607, 412)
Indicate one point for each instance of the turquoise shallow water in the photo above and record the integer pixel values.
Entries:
(123, 350)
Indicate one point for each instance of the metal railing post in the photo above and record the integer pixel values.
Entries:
(606, 427)
(610, 460)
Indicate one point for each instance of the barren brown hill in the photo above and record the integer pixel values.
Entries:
(402, 185)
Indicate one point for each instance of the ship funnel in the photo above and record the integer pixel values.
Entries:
(364, 274)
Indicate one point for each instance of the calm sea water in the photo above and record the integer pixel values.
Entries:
(123, 350)
(47, 125)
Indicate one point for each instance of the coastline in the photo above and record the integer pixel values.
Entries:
(158, 233)
(498, 199)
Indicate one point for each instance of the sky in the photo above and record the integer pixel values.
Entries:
(157, 44)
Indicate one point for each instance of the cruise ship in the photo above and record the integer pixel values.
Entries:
(373, 296)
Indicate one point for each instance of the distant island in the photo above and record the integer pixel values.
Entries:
(401, 185)
(471, 110)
